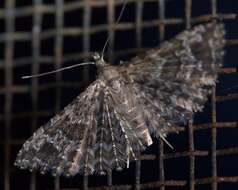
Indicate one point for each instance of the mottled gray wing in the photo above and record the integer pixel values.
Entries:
(173, 81)
(92, 134)
(61, 145)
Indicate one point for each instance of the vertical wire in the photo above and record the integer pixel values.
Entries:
(86, 37)
(86, 49)
(58, 47)
(188, 13)
(214, 119)
(162, 19)
(85, 182)
(58, 50)
(191, 155)
(214, 144)
(111, 22)
(109, 179)
(139, 17)
(139, 20)
(111, 28)
(9, 53)
(161, 4)
(138, 175)
(214, 8)
(37, 21)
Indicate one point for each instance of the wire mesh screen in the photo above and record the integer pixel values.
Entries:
(41, 35)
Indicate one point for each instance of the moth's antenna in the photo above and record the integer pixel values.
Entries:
(118, 20)
(58, 70)
(80, 64)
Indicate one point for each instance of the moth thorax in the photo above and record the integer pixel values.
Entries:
(109, 73)
(100, 63)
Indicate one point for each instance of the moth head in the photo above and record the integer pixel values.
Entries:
(96, 56)
(99, 61)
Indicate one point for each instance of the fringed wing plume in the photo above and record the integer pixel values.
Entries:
(174, 80)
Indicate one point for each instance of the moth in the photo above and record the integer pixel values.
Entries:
(114, 119)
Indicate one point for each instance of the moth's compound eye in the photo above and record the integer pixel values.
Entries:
(96, 56)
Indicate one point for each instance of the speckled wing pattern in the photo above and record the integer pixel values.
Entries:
(111, 122)
(173, 82)
(92, 134)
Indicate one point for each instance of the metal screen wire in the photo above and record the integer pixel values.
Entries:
(40, 35)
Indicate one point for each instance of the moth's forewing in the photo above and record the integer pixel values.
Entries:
(173, 81)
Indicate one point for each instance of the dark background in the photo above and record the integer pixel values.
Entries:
(27, 104)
